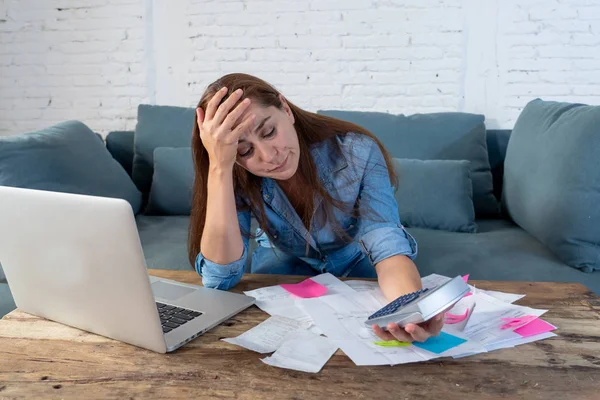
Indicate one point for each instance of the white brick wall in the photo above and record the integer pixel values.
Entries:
(96, 60)
(77, 59)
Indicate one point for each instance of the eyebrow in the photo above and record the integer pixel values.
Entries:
(258, 128)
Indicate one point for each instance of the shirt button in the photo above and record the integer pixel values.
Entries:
(274, 236)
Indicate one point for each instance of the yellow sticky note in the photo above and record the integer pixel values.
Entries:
(392, 343)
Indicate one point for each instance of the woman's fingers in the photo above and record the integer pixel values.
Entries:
(246, 125)
(412, 332)
(225, 107)
(199, 116)
(235, 114)
(417, 333)
(398, 333)
(382, 334)
(436, 324)
(211, 108)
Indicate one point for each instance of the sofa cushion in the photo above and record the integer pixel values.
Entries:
(435, 194)
(120, 145)
(500, 250)
(552, 179)
(435, 136)
(67, 157)
(158, 126)
(171, 191)
(497, 142)
(164, 239)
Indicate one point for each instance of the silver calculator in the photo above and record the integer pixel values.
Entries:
(420, 306)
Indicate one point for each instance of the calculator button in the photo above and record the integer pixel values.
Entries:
(396, 304)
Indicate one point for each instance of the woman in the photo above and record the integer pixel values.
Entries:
(321, 190)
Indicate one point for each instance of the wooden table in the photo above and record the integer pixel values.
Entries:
(43, 359)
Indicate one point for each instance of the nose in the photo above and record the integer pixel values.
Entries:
(267, 153)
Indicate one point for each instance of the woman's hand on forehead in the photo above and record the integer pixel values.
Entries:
(216, 124)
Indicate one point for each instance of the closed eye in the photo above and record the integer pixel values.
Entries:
(269, 134)
(247, 153)
(250, 150)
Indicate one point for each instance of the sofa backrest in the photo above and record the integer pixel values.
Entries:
(497, 142)
(121, 144)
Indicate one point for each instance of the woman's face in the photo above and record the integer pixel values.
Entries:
(271, 149)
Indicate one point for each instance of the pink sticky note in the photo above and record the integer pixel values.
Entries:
(307, 288)
(535, 327)
(512, 322)
(456, 318)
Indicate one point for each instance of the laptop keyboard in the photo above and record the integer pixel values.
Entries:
(172, 317)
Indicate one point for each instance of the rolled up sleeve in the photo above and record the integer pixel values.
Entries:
(225, 276)
(385, 242)
(380, 232)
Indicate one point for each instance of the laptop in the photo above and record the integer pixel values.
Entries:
(78, 260)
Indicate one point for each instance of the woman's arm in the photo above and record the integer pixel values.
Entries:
(222, 274)
(397, 275)
(388, 245)
(222, 248)
(221, 240)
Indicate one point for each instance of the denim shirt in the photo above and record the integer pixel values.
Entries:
(359, 174)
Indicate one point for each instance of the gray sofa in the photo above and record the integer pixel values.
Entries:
(499, 250)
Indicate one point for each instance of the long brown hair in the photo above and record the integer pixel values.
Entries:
(311, 128)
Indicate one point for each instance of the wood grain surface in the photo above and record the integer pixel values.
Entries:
(44, 359)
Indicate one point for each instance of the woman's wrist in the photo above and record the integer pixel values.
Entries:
(220, 171)
(397, 276)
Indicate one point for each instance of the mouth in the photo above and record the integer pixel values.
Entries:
(281, 166)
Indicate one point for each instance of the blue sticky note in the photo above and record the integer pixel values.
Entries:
(441, 343)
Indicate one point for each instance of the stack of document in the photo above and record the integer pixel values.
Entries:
(311, 320)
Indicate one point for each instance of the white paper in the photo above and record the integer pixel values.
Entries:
(271, 296)
(362, 286)
(518, 341)
(401, 355)
(510, 343)
(361, 354)
(464, 305)
(357, 305)
(504, 297)
(315, 329)
(302, 351)
(509, 336)
(430, 281)
(485, 325)
(342, 317)
(342, 311)
(275, 300)
(267, 336)
(333, 284)
(433, 280)
(370, 287)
